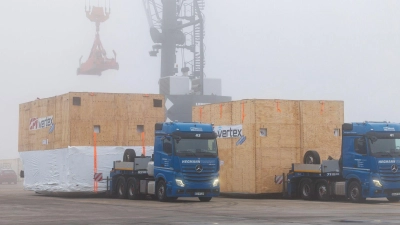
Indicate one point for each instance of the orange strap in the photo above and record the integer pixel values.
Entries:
(322, 107)
(201, 113)
(243, 115)
(143, 147)
(278, 108)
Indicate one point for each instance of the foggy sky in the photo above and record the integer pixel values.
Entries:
(307, 50)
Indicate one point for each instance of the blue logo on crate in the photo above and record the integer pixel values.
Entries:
(241, 140)
(51, 128)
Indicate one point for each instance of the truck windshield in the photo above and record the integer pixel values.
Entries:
(384, 147)
(196, 147)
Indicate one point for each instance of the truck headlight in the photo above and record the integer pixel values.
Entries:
(377, 183)
(179, 183)
(216, 182)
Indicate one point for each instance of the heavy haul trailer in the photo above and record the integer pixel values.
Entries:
(185, 163)
(368, 166)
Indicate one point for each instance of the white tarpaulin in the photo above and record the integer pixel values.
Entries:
(71, 169)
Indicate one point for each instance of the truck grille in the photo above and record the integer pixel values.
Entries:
(190, 174)
(387, 174)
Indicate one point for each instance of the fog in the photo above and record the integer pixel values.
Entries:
(311, 50)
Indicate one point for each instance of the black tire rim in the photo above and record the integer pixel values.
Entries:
(132, 190)
(354, 193)
(121, 189)
(322, 190)
(161, 192)
(306, 190)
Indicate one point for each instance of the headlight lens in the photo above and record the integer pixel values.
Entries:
(179, 183)
(377, 183)
(216, 182)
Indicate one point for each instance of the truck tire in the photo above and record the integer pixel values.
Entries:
(205, 199)
(323, 190)
(355, 192)
(393, 199)
(133, 189)
(162, 191)
(121, 188)
(311, 157)
(129, 155)
(307, 189)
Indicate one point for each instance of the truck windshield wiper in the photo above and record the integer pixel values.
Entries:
(384, 154)
(186, 152)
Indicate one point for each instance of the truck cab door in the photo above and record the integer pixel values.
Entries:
(166, 153)
(355, 158)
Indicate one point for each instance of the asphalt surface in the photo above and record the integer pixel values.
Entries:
(25, 207)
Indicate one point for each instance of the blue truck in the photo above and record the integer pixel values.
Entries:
(368, 166)
(185, 163)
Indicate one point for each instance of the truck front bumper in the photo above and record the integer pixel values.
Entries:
(193, 191)
(383, 193)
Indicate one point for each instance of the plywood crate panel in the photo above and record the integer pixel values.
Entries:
(74, 123)
(292, 126)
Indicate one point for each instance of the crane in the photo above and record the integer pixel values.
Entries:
(97, 61)
(170, 22)
(178, 25)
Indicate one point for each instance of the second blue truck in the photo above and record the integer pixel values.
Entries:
(368, 166)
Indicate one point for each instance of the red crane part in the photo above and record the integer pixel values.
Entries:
(97, 61)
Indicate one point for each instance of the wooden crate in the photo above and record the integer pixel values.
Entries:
(118, 115)
(292, 127)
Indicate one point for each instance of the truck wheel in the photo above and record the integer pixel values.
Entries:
(162, 191)
(311, 157)
(355, 192)
(306, 189)
(121, 188)
(393, 199)
(129, 155)
(133, 189)
(323, 191)
(205, 199)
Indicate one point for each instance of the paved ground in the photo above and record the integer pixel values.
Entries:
(24, 207)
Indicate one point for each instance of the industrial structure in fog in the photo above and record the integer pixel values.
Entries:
(179, 25)
(97, 61)
(176, 26)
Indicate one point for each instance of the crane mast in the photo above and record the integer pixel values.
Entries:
(177, 26)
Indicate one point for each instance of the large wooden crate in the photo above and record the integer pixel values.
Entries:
(71, 119)
(292, 128)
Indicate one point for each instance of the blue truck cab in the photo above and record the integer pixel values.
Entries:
(371, 159)
(186, 162)
(368, 166)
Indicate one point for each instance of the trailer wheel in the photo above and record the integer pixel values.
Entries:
(323, 191)
(355, 191)
(129, 155)
(162, 191)
(393, 199)
(306, 189)
(205, 199)
(311, 157)
(121, 188)
(133, 189)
